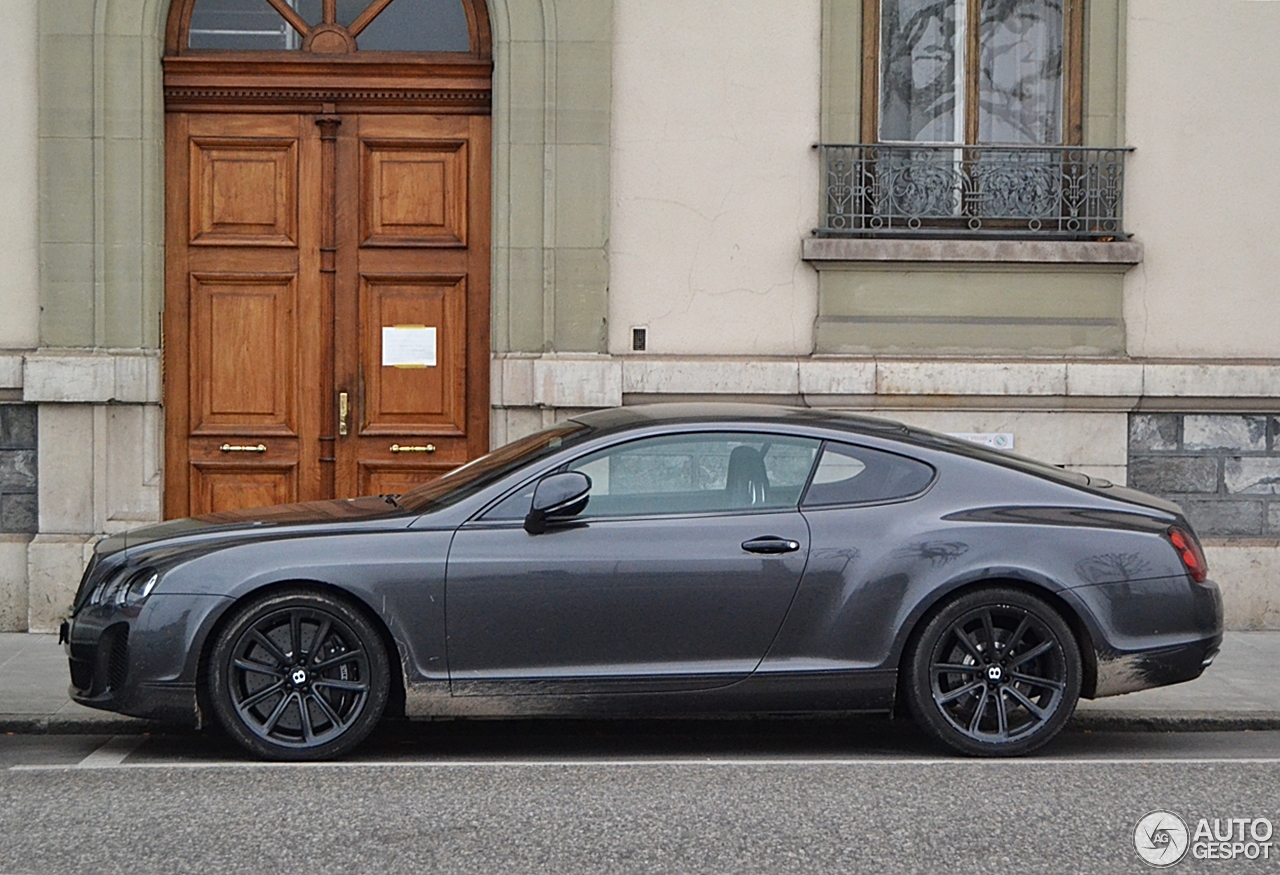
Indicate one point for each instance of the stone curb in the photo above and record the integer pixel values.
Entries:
(38, 724)
(1081, 721)
(1174, 721)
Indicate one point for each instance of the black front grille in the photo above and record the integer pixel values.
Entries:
(118, 661)
(82, 675)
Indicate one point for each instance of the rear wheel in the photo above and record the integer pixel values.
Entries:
(995, 672)
(298, 675)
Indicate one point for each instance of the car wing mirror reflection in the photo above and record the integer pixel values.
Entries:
(557, 496)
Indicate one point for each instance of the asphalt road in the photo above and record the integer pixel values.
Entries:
(642, 797)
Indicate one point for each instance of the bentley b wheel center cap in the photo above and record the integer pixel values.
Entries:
(299, 676)
(994, 674)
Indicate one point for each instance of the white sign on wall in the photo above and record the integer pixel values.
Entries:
(408, 346)
(995, 440)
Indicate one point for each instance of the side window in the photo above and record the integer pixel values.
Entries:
(515, 506)
(697, 473)
(853, 475)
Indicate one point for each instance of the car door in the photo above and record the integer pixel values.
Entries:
(676, 576)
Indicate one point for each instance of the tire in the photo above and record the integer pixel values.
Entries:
(298, 675)
(994, 672)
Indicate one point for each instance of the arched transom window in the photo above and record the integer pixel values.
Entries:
(331, 27)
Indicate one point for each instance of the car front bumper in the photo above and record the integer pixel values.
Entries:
(141, 662)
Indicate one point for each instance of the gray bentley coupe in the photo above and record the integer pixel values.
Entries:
(680, 559)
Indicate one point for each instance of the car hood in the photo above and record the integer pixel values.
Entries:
(236, 521)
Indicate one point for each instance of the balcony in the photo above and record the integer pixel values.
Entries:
(911, 190)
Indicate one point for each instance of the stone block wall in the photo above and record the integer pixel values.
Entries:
(1224, 469)
(18, 469)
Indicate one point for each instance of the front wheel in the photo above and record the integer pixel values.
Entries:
(298, 675)
(995, 672)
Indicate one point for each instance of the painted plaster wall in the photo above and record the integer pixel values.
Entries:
(1202, 186)
(19, 143)
(714, 184)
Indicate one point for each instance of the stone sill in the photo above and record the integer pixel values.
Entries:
(831, 252)
(91, 376)
(10, 370)
(522, 380)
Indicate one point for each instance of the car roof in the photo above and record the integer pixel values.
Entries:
(702, 412)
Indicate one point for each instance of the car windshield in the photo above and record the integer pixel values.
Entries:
(479, 473)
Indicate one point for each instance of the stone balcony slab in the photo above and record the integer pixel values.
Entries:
(829, 252)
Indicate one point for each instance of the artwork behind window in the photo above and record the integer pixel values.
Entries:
(921, 70)
(925, 71)
(404, 26)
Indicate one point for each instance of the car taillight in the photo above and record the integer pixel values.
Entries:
(1189, 552)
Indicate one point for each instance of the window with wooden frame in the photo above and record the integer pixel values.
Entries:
(335, 26)
(963, 72)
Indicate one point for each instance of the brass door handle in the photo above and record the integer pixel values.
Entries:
(344, 408)
(229, 448)
(429, 448)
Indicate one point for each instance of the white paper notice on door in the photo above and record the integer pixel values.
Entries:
(408, 346)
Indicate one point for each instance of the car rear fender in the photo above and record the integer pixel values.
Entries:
(1082, 622)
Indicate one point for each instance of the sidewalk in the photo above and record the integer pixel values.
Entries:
(1239, 691)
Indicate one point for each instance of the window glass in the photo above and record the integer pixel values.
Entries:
(479, 473)
(922, 70)
(313, 10)
(697, 473)
(418, 26)
(403, 26)
(926, 71)
(515, 506)
(1020, 72)
(853, 475)
(240, 25)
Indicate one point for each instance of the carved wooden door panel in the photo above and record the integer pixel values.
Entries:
(244, 314)
(326, 325)
(327, 328)
(412, 298)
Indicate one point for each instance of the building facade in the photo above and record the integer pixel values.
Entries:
(1044, 221)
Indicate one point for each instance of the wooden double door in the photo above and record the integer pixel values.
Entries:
(326, 321)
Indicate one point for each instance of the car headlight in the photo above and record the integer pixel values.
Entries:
(138, 587)
(127, 587)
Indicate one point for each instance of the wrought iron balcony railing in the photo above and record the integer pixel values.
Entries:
(1026, 192)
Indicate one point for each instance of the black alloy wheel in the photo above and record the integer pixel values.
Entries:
(995, 672)
(299, 675)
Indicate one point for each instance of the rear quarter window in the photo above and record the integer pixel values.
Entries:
(848, 474)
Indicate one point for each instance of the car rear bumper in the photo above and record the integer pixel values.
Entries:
(1148, 633)
(1127, 671)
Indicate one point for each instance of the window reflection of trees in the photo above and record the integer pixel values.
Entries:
(1019, 69)
(920, 59)
(1020, 72)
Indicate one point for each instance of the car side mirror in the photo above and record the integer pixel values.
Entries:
(557, 496)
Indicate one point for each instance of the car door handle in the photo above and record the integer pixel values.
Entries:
(771, 544)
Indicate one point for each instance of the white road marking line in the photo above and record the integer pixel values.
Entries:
(616, 763)
(113, 753)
